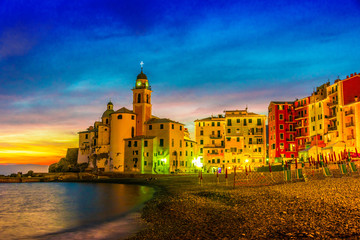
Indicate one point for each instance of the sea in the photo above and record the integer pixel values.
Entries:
(71, 210)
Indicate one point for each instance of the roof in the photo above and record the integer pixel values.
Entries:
(124, 110)
(243, 113)
(141, 75)
(282, 102)
(140, 137)
(87, 131)
(107, 113)
(161, 120)
(212, 118)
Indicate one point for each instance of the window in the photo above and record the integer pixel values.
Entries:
(245, 122)
(180, 128)
(281, 127)
(161, 126)
(186, 153)
(250, 120)
(213, 161)
(135, 143)
(86, 136)
(172, 142)
(201, 133)
(180, 143)
(229, 122)
(120, 116)
(238, 139)
(107, 121)
(229, 130)
(180, 153)
(145, 163)
(145, 143)
(172, 126)
(259, 149)
(139, 98)
(132, 131)
(132, 117)
(150, 127)
(218, 161)
(320, 126)
(273, 146)
(213, 124)
(201, 150)
(281, 136)
(250, 140)
(161, 142)
(281, 145)
(218, 123)
(238, 120)
(281, 116)
(129, 144)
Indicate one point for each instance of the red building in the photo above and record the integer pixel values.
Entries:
(282, 134)
(302, 123)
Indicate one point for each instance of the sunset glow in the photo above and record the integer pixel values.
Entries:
(61, 62)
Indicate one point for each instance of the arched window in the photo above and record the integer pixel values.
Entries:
(139, 98)
(147, 98)
(107, 121)
(132, 132)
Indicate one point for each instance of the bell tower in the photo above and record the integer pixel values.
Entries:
(141, 101)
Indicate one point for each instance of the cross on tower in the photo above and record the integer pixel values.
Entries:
(141, 64)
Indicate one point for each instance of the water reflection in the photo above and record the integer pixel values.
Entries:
(40, 208)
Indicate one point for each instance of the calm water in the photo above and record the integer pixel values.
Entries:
(69, 210)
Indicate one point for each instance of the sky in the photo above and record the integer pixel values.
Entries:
(61, 61)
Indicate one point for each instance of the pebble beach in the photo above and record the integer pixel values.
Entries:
(318, 209)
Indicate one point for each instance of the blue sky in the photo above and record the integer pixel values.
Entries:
(61, 61)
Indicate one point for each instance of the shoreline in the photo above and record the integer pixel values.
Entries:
(181, 208)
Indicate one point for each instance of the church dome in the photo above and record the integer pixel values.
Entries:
(141, 75)
(107, 113)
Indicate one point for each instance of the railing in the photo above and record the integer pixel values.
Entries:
(290, 130)
(331, 116)
(350, 112)
(333, 128)
(330, 104)
(350, 137)
(290, 140)
(350, 124)
(215, 136)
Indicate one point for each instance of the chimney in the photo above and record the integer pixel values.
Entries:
(356, 98)
(351, 75)
(347, 76)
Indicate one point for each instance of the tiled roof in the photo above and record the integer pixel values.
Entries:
(140, 137)
(161, 120)
(124, 110)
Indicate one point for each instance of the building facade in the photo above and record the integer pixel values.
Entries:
(235, 139)
(326, 122)
(282, 132)
(136, 141)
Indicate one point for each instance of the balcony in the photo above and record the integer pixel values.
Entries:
(332, 128)
(215, 136)
(350, 112)
(290, 140)
(350, 137)
(332, 104)
(290, 130)
(289, 121)
(297, 117)
(350, 124)
(256, 132)
(332, 92)
(215, 146)
(331, 116)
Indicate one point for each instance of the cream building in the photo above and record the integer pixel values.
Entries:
(136, 141)
(236, 139)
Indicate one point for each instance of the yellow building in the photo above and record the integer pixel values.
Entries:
(237, 139)
(136, 141)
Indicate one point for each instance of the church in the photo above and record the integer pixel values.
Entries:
(135, 141)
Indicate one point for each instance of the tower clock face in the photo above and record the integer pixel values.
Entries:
(146, 84)
(138, 83)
